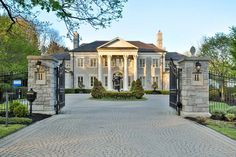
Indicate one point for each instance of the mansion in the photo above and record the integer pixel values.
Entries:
(131, 60)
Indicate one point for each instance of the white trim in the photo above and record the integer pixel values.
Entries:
(117, 38)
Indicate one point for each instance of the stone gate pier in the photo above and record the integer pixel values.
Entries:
(194, 86)
(42, 78)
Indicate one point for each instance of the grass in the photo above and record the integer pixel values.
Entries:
(4, 131)
(213, 105)
(225, 128)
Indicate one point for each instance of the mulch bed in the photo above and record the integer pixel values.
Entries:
(37, 117)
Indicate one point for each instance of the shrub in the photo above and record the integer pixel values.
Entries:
(132, 86)
(230, 117)
(218, 114)
(138, 90)
(16, 120)
(152, 92)
(69, 90)
(119, 95)
(214, 94)
(154, 85)
(98, 90)
(201, 120)
(232, 110)
(165, 92)
(14, 105)
(20, 111)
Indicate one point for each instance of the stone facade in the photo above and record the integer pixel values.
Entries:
(43, 81)
(194, 87)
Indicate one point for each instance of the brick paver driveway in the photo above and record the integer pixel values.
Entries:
(89, 128)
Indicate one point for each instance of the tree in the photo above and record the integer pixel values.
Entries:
(55, 48)
(98, 90)
(154, 86)
(233, 42)
(217, 48)
(138, 89)
(72, 12)
(16, 45)
(132, 86)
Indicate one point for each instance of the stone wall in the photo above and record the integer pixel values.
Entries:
(194, 87)
(46, 86)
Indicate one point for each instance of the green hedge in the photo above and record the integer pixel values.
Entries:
(119, 95)
(164, 92)
(77, 90)
(16, 120)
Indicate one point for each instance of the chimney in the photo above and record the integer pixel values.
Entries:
(159, 40)
(76, 40)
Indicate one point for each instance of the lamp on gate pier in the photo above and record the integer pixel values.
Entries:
(38, 64)
(198, 66)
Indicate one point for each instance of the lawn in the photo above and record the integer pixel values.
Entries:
(4, 131)
(226, 128)
(213, 105)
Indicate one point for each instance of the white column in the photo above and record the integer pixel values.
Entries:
(135, 68)
(100, 68)
(125, 72)
(109, 83)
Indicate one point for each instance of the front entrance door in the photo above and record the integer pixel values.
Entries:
(117, 80)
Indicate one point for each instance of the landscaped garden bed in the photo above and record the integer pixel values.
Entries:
(136, 92)
(18, 118)
(222, 120)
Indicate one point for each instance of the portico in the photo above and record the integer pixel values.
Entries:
(114, 49)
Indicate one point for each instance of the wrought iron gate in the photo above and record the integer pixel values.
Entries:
(60, 87)
(175, 86)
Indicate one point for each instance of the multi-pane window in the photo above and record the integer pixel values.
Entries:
(92, 78)
(106, 81)
(155, 63)
(80, 62)
(40, 76)
(93, 62)
(80, 81)
(155, 79)
(141, 63)
(142, 79)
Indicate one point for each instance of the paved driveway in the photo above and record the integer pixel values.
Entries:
(89, 128)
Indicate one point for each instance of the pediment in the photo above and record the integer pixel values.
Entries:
(117, 43)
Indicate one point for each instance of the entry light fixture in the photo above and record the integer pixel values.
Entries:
(38, 64)
(198, 66)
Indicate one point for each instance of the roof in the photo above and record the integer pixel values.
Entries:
(61, 56)
(142, 47)
(174, 55)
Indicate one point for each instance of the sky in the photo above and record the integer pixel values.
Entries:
(184, 23)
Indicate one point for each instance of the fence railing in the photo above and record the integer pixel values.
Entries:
(222, 91)
(15, 84)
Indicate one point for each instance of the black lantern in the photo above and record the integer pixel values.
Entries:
(38, 64)
(198, 66)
